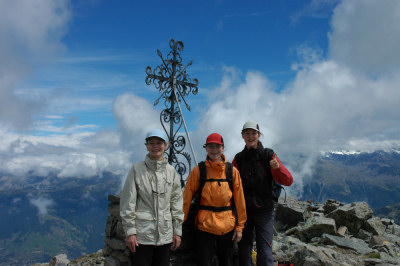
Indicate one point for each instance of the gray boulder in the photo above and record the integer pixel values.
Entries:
(316, 226)
(351, 215)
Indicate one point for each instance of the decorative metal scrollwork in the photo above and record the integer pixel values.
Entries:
(173, 82)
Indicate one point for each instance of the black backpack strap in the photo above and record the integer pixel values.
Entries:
(203, 172)
(191, 220)
(202, 180)
(215, 209)
(229, 174)
(229, 177)
(238, 159)
(268, 153)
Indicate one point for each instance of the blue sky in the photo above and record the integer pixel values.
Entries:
(106, 47)
(316, 75)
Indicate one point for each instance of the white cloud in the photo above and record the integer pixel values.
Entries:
(135, 114)
(75, 155)
(16, 200)
(42, 204)
(30, 34)
(252, 100)
(314, 9)
(366, 34)
(83, 154)
(329, 105)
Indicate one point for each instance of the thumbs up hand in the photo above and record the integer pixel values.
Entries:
(274, 162)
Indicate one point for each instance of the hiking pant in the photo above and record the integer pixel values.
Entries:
(149, 255)
(263, 223)
(209, 244)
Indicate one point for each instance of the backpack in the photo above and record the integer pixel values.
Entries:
(195, 205)
(276, 190)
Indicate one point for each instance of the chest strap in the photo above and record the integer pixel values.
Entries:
(215, 209)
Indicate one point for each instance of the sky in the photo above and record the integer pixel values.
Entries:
(317, 76)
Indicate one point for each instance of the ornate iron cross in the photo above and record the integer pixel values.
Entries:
(174, 84)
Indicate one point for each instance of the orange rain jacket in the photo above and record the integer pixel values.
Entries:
(216, 194)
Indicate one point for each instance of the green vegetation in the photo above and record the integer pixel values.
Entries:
(373, 255)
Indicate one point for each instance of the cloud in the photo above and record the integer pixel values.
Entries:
(314, 9)
(83, 154)
(328, 107)
(251, 100)
(74, 155)
(365, 35)
(136, 116)
(31, 33)
(42, 204)
(16, 200)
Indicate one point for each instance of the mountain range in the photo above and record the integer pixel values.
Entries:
(45, 216)
(370, 177)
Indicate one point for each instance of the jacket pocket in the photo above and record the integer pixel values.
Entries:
(145, 225)
(166, 229)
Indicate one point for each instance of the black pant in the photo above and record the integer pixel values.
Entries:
(209, 244)
(149, 255)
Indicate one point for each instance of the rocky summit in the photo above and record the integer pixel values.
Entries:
(306, 233)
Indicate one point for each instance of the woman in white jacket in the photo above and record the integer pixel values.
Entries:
(151, 205)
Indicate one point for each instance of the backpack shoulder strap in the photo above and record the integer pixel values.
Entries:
(229, 177)
(268, 153)
(202, 180)
(203, 171)
(238, 160)
(229, 173)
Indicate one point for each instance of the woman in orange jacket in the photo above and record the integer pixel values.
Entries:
(217, 224)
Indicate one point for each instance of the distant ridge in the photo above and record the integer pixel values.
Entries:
(370, 177)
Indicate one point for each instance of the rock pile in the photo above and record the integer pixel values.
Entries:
(334, 234)
(115, 250)
(306, 233)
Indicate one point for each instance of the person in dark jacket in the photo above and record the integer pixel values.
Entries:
(258, 166)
